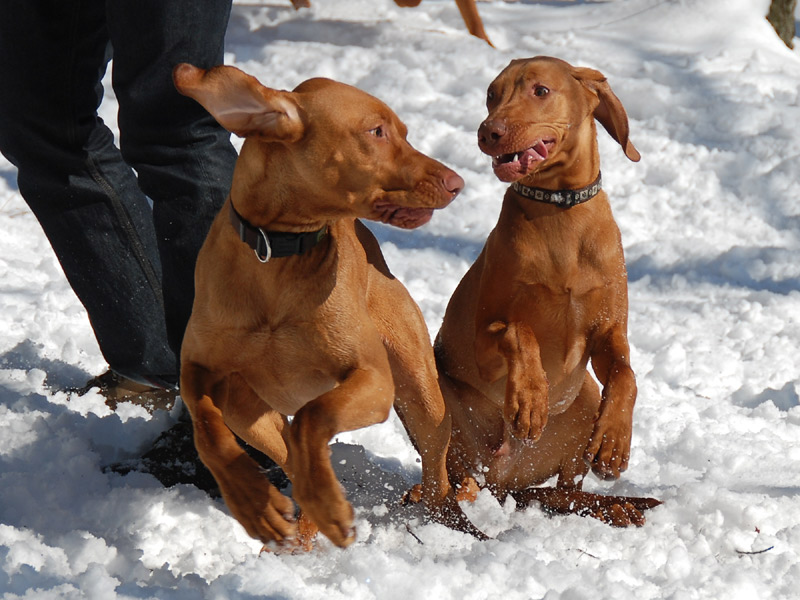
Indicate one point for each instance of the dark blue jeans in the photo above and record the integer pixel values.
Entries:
(132, 266)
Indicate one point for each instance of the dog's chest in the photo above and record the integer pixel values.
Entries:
(564, 299)
(298, 361)
(559, 303)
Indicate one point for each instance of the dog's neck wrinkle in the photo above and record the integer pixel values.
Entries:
(273, 216)
(576, 165)
(572, 171)
(264, 198)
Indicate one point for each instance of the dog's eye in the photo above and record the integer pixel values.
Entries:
(377, 132)
(540, 91)
(490, 95)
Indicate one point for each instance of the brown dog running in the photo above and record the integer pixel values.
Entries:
(296, 313)
(547, 294)
(467, 8)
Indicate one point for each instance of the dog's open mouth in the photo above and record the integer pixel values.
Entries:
(402, 216)
(514, 166)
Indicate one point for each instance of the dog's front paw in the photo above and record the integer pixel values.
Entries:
(322, 500)
(335, 520)
(609, 448)
(262, 510)
(526, 409)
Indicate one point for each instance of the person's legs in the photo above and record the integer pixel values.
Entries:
(75, 181)
(183, 158)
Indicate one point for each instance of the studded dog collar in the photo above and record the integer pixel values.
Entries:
(562, 198)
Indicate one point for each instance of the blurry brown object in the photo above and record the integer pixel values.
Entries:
(781, 17)
(467, 8)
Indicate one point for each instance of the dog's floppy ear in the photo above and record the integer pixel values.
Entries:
(609, 111)
(240, 103)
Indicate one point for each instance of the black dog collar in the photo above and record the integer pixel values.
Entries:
(274, 244)
(562, 198)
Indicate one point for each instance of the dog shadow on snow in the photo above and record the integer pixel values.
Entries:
(373, 483)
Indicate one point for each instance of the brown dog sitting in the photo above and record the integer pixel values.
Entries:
(296, 313)
(547, 295)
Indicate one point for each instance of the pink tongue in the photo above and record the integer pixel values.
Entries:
(533, 155)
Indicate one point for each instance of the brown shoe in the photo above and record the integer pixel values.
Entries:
(117, 388)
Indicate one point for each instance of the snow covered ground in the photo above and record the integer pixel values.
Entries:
(710, 219)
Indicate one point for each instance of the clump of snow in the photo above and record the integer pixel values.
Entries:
(710, 219)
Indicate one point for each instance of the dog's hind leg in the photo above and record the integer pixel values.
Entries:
(617, 511)
(421, 407)
(573, 429)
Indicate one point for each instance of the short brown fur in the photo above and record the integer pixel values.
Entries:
(546, 296)
(328, 337)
